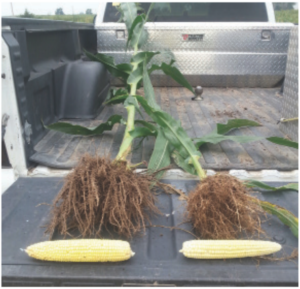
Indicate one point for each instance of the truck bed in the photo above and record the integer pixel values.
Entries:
(263, 105)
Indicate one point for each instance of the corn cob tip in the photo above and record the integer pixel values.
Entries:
(181, 251)
(132, 254)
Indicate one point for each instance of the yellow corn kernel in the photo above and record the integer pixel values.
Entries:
(83, 250)
(227, 249)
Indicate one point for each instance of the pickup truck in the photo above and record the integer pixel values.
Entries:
(247, 66)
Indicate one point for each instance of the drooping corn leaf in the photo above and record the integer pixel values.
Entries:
(283, 142)
(109, 63)
(148, 89)
(217, 135)
(161, 155)
(81, 130)
(261, 185)
(183, 163)
(215, 138)
(117, 99)
(173, 72)
(158, 67)
(129, 13)
(116, 96)
(285, 216)
(142, 132)
(126, 67)
(172, 130)
(235, 123)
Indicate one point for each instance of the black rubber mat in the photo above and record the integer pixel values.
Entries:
(198, 118)
(157, 260)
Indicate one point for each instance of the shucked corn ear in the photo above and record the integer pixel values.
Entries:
(84, 250)
(227, 249)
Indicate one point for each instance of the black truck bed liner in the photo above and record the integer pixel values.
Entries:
(198, 118)
(157, 260)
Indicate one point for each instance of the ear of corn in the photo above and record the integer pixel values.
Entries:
(227, 249)
(84, 250)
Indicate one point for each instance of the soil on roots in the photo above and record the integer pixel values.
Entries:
(99, 194)
(219, 208)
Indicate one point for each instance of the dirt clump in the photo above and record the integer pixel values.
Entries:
(99, 194)
(220, 208)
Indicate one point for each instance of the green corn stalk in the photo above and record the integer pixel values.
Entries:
(126, 144)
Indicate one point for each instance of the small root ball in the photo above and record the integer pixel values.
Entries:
(100, 194)
(219, 208)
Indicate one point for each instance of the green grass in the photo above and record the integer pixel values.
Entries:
(287, 16)
(75, 18)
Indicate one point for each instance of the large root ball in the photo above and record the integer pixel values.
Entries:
(219, 208)
(101, 194)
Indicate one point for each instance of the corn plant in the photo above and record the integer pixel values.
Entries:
(132, 75)
(172, 141)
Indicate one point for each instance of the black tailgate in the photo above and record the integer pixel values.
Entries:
(157, 260)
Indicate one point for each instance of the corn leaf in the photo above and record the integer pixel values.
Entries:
(173, 72)
(148, 89)
(137, 35)
(138, 20)
(261, 185)
(146, 124)
(142, 132)
(142, 56)
(235, 123)
(172, 130)
(158, 67)
(215, 138)
(109, 63)
(126, 67)
(217, 135)
(183, 163)
(116, 96)
(135, 76)
(161, 155)
(285, 216)
(283, 142)
(85, 131)
(117, 99)
(129, 13)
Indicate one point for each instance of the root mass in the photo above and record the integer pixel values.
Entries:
(219, 208)
(99, 194)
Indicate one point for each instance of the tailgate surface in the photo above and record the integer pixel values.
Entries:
(157, 258)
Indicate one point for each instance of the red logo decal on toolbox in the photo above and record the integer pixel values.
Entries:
(185, 36)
